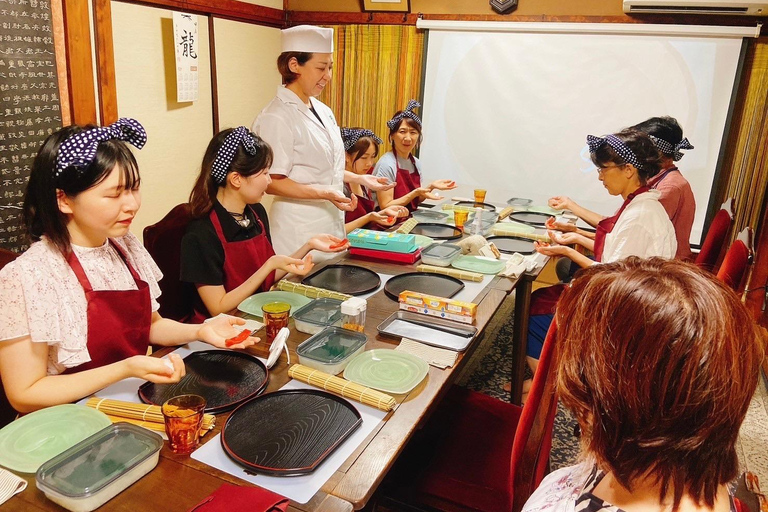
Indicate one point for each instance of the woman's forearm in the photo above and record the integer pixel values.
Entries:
(286, 187)
(218, 300)
(358, 222)
(588, 216)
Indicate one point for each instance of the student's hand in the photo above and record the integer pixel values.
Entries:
(565, 227)
(550, 250)
(300, 267)
(426, 193)
(563, 238)
(217, 331)
(395, 211)
(382, 219)
(375, 183)
(328, 243)
(442, 185)
(561, 203)
(155, 369)
(341, 201)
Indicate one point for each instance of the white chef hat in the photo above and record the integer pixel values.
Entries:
(308, 38)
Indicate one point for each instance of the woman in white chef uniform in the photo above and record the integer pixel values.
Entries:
(308, 166)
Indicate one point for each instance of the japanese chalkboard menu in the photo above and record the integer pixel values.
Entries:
(29, 105)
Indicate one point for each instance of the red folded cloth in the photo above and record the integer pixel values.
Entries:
(229, 498)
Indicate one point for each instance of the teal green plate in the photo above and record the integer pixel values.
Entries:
(252, 305)
(390, 371)
(514, 226)
(423, 241)
(479, 264)
(31, 440)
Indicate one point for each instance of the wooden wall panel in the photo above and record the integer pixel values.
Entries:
(105, 61)
(82, 95)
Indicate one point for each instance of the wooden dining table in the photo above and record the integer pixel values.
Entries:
(179, 482)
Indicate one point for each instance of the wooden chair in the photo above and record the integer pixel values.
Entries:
(477, 452)
(714, 241)
(735, 267)
(163, 242)
(7, 413)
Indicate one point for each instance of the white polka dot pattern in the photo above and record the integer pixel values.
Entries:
(79, 150)
(352, 135)
(617, 144)
(227, 151)
(408, 112)
(671, 149)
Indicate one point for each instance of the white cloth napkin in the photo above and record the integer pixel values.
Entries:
(437, 357)
(10, 485)
(517, 264)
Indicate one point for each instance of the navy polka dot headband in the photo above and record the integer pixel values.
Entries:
(79, 150)
(352, 135)
(671, 149)
(408, 112)
(227, 151)
(618, 146)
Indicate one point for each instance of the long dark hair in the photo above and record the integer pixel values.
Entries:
(204, 192)
(666, 128)
(41, 209)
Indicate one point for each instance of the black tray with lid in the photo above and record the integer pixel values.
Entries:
(423, 282)
(511, 244)
(536, 219)
(437, 231)
(348, 279)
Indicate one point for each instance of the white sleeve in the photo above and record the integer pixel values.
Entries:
(631, 237)
(278, 134)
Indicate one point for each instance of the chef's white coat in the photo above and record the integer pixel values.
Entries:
(309, 153)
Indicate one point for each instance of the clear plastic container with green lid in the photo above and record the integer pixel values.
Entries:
(98, 468)
(317, 315)
(331, 349)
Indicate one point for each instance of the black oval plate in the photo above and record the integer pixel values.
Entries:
(349, 279)
(512, 244)
(225, 379)
(288, 433)
(536, 219)
(423, 282)
(437, 231)
(485, 206)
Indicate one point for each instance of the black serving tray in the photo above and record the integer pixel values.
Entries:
(536, 219)
(485, 206)
(225, 379)
(349, 279)
(423, 282)
(289, 432)
(512, 244)
(437, 231)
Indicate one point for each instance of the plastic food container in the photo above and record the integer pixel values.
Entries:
(98, 468)
(331, 349)
(317, 315)
(440, 255)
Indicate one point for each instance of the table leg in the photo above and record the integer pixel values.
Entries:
(520, 334)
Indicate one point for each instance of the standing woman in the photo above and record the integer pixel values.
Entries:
(307, 171)
(362, 148)
(401, 167)
(80, 305)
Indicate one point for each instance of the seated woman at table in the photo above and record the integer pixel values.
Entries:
(672, 361)
(362, 148)
(640, 227)
(226, 252)
(80, 305)
(401, 167)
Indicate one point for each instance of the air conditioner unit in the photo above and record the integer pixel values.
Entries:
(735, 7)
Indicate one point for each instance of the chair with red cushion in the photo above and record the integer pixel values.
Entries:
(714, 242)
(478, 452)
(737, 261)
(7, 413)
(163, 242)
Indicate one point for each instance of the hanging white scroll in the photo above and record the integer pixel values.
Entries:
(185, 43)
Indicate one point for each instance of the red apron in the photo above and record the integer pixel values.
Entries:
(606, 225)
(407, 182)
(241, 260)
(118, 320)
(365, 205)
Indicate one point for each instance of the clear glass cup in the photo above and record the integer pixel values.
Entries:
(275, 318)
(183, 417)
(459, 218)
(479, 195)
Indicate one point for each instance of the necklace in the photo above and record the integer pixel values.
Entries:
(240, 218)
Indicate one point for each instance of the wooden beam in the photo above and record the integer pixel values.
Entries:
(77, 33)
(105, 60)
(214, 77)
(228, 9)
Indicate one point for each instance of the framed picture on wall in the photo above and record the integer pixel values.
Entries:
(386, 5)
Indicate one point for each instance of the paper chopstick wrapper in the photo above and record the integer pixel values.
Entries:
(143, 415)
(437, 357)
(342, 387)
(501, 230)
(407, 226)
(453, 272)
(10, 485)
(310, 291)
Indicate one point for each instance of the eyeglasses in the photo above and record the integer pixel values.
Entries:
(601, 170)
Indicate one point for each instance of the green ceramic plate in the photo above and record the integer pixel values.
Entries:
(38, 437)
(423, 241)
(252, 305)
(544, 209)
(514, 226)
(390, 371)
(479, 264)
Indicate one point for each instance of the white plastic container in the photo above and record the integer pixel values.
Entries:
(440, 255)
(100, 467)
(353, 314)
(317, 315)
(331, 349)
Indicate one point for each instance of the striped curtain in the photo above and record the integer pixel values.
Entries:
(376, 70)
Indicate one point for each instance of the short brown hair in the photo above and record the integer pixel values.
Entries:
(282, 65)
(641, 145)
(659, 361)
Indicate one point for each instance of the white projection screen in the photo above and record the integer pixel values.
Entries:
(510, 111)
